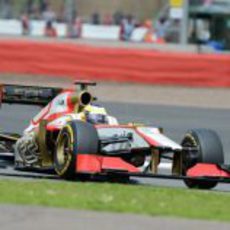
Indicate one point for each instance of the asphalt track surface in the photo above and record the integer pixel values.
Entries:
(27, 218)
(174, 119)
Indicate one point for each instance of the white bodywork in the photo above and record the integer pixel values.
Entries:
(160, 139)
(58, 113)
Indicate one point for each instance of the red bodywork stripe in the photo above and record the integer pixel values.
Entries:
(70, 108)
(207, 170)
(96, 164)
(148, 139)
(46, 112)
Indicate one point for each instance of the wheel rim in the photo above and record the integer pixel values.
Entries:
(63, 149)
(189, 159)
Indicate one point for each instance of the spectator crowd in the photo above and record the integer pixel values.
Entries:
(43, 10)
(56, 18)
(127, 23)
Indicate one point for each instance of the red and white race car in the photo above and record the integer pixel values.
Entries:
(75, 137)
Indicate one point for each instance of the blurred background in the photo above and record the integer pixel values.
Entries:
(200, 22)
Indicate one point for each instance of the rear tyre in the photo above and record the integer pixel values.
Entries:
(76, 137)
(210, 150)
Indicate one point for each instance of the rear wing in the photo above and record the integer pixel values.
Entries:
(35, 95)
(27, 95)
(83, 84)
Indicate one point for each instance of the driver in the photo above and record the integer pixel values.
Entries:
(96, 114)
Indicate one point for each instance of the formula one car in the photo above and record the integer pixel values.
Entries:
(74, 136)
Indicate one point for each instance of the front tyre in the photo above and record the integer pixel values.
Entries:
(76, 137)
(209, 150)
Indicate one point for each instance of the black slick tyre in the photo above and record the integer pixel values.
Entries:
(209, 150)
(76, 137)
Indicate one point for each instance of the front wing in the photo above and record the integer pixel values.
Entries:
(115, 166)
(95, 164)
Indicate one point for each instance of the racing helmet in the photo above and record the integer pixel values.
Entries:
(96, 114)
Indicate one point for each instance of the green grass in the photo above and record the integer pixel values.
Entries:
(147, 200)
